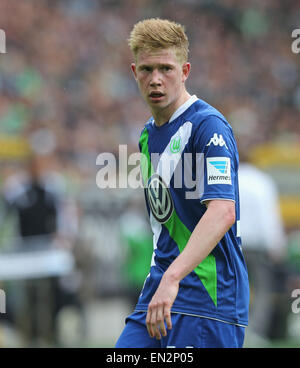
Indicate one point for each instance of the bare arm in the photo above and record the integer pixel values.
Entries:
(216, 221)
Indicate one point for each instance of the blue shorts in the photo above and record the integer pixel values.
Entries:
(187, 331)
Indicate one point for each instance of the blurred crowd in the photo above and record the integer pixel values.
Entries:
(67, 68)
(66, 91)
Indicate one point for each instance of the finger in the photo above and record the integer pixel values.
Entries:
(148, 323)
(161, 322)
(167, 316)
(153, 323)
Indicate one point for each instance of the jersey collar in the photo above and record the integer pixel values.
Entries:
(181, 109)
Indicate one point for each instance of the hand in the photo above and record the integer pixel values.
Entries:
(159, 309)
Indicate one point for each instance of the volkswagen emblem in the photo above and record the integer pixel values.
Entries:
(159, 199)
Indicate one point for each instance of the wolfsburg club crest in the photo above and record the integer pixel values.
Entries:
(175, 145)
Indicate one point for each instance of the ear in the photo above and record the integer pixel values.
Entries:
(186, 67)
(133, 69)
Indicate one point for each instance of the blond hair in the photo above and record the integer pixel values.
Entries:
(155, 33)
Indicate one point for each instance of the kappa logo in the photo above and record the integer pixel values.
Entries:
(217, 141)
(175, 145)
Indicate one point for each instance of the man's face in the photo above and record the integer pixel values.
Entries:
(160, 77)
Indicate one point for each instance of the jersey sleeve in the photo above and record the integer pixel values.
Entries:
(215, 141)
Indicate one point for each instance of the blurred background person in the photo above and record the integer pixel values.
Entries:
(136, 237)
(264, 245)
(34, 200)
(45, 220)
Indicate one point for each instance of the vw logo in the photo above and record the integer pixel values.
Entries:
(159, 199)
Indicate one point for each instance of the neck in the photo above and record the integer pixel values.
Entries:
(162, 116)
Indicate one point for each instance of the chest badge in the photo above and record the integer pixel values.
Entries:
(159, 199)
(175, 145)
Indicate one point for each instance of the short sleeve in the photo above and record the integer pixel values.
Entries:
(215, 141)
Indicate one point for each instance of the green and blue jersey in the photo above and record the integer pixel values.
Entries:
(189, 160)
